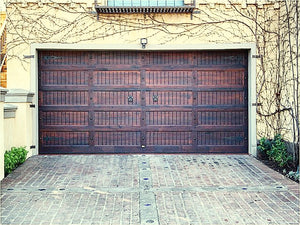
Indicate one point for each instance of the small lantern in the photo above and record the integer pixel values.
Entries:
(144, 41)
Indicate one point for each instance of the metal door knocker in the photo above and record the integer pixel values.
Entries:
(130, 99)
(155, 98)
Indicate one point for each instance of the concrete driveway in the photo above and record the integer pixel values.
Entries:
(147, 189)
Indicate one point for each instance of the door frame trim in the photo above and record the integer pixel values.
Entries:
(251, 47)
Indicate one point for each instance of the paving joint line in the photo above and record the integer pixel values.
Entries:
(148, 207)
(146, 186)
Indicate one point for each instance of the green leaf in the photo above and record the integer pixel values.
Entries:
(14, 158)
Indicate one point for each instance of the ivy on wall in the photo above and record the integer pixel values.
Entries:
(273, 27)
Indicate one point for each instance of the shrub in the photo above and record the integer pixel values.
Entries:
(264, 146)
(276, 150)
(14, 158)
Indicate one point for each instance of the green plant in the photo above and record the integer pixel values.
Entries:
(14, 158)
(275, 150)
(294, 175)
(264, 146)
(278, 152)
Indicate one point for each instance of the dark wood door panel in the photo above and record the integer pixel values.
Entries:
(178, 58)
(222, 118)
(64, 118)
(61, 138)
(169, 118)
(63, 58)
(117, 138)
(118, 118)
(116, 78)
(70, 149)
(228, 58)
(220, 138)
(169, 78)
(117, 58)
(116, 98)
(169, 98)
(169, 138)
(221, 78)
(143, 102)
(63, 78)
(64, 98)
(235, 98)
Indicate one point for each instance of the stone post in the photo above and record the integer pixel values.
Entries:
(23, 121)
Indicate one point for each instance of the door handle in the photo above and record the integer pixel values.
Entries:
(155, 98)
(130, 99)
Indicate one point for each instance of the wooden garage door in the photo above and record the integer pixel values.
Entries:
(143, 102)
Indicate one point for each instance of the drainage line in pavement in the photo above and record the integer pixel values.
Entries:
(148, 209)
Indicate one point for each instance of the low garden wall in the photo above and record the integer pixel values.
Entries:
(15, 122)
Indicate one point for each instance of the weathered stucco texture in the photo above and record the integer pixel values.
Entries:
(213, 22)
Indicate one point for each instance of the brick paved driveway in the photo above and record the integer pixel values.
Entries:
(147, 189)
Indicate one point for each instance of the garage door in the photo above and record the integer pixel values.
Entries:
(143, 102)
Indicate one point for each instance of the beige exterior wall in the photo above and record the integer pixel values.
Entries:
(73, 25)
(290, 71)
(2, 151)
(18, 130)
(63, 23)
(15, 122)
(2, 148)
(9, 134)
